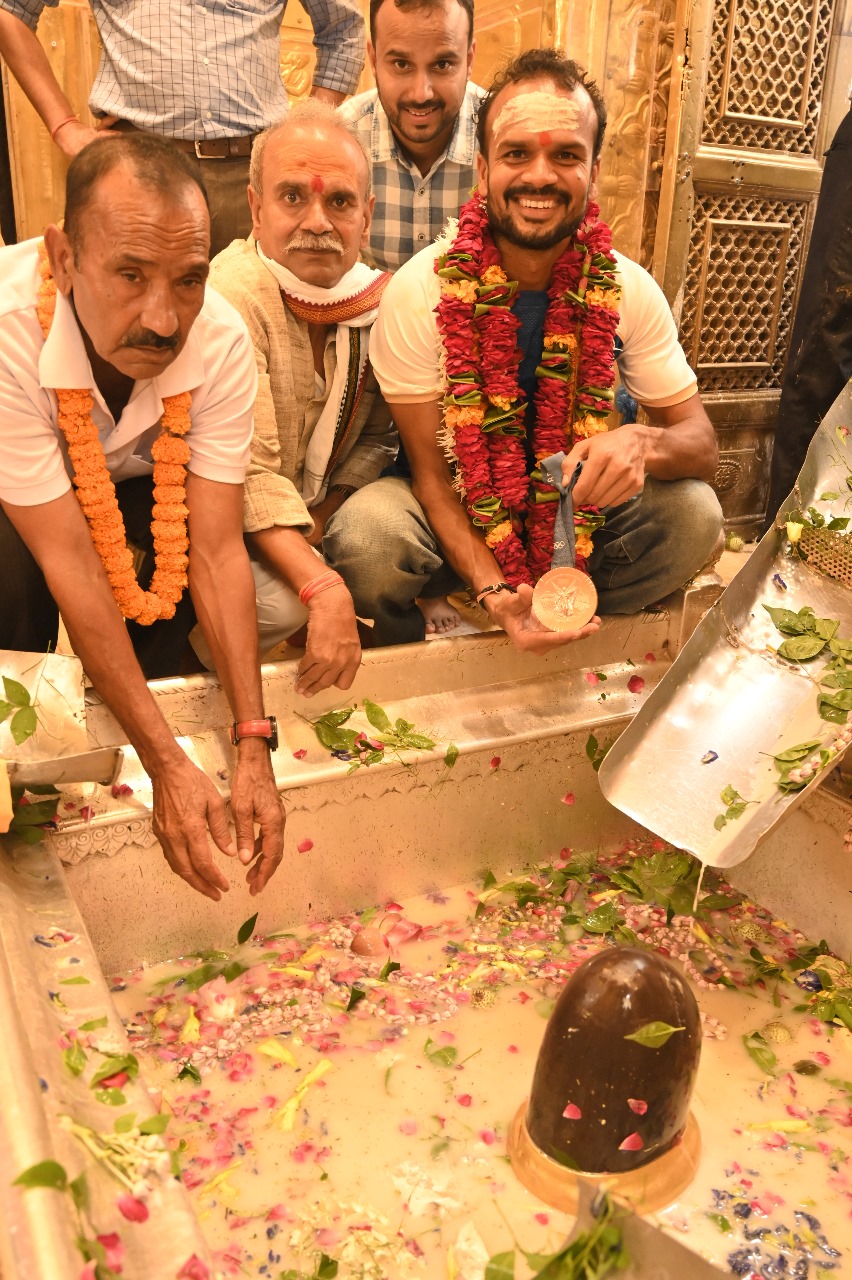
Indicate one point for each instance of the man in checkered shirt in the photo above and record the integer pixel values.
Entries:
(204, 73)
(419, 124)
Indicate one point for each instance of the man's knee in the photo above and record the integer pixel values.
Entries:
(381, 522)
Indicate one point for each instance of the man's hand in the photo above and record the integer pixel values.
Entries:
(613, 467)
(333, 651)
(186, 807)
(514, 614)
(74, 136)
(255, 800)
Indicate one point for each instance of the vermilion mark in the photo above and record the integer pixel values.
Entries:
(317, 184)
(544, 139)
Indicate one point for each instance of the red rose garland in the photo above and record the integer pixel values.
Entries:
(484, 407)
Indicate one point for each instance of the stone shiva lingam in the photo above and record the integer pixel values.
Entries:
(612, 1084)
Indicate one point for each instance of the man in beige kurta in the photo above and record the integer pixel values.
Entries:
(321, 429)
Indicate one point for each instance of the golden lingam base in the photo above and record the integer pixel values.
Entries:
(645, 1190)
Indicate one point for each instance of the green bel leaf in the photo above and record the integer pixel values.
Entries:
(729, 795)
(189, 1072)
(233, 970)
(389, 967)
(801, 648)
(720, 821)
(452, 755)
(23, 724)
(154, 1124)
(787, 622)
(841, 648)
(15, 692)
(326, 1268)
(441, 1055)
(79, 1189)
(74, 1058)
(79, 981)
(501, 1266)
(416, 742)
(654, 1034)
(793, 754)
(591, 746)
(112, 1065)
(6, 709)
(198, 977)
(246, 929)
(125, 1123)
(603, 919)
(94, 1024)
(356, 995)
(110, 1097)
(760, 1052)
(33, 815)
(377, 717)
(47, 1173)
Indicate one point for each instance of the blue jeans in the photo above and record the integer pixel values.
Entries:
(381, 543)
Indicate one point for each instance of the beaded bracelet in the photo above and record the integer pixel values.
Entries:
(324, 582)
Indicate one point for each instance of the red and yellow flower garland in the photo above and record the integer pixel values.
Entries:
(96, 491)
(484, 407)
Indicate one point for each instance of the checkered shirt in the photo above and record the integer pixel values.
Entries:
(200, 69)
(412, 210)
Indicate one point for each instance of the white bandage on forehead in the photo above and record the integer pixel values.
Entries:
(537, 112)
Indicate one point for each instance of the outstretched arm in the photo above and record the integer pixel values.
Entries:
(222, 587)
(28, 63)
(461, 544)
(186, 804)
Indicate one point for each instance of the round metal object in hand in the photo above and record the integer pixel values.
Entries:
(564, 599)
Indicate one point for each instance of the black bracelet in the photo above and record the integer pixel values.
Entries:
(493, 589)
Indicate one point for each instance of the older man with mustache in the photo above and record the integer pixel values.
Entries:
(322, 431)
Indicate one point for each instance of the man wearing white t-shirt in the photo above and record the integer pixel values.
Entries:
(540, 133)
(114, 365)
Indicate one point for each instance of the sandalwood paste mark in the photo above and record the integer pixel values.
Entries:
(538, 112)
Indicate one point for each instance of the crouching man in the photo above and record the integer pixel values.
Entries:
(116, 371)
(321, 430)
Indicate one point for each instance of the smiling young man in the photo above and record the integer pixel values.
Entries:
(419, 123)
(322, 431)
(113, 366)
(480, 393)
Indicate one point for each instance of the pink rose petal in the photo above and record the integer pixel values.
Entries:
(300, 754)
(636, 684)
(464, 1099)
(513, 1048)
(822, 1058)
(638, 1105)
(572, 1112)
(488, 1136)
(88, 1272)
(592, 677)
(542, 1218)
(650, 657)
(568, 798)
(305, 846)
(120, 789)
(114, 1250)
(408, 1127)
(132, 1209)
(494, 762)
(631, 1143)
(194, 1269)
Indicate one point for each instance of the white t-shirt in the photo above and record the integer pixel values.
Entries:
(405, 346)
(217, 365)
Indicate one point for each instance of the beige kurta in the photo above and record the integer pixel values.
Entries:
(286, 408)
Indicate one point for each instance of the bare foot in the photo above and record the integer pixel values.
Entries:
(439, 614)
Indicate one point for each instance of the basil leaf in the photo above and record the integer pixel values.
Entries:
(793, 754)
(79, 1189)
(110, 1097)
(603, 919)
(501, 1266)
(440, 1055)
(94, 1024)
(827, 628)
(356, 995)
(389, 967)
(154, 1124)
(452, 755)
(113, 1064)
(189, 1072)
(786, 621)
(654, 1034)
(842, 648)
(125, 1123)
(74, 1058)
(198, 977)
(233, 970)
(327, 1268)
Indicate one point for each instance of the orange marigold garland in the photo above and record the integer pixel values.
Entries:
(96, 491)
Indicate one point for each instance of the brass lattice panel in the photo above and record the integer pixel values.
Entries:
(766, 72)
(740, 289)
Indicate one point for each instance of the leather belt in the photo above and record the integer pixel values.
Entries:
(218, 148)
(206, 148)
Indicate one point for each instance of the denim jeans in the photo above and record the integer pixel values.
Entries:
(381, 543)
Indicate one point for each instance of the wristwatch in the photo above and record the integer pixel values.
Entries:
(266, 728)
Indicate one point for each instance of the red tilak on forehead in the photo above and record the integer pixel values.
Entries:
(544, 139)
(317, 184)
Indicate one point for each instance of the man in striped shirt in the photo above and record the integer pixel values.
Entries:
(419, 123)
(204, 73)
